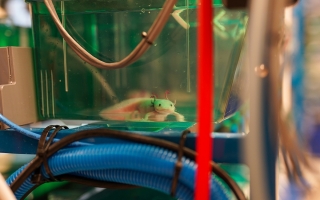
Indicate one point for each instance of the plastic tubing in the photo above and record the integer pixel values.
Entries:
(134, 177)
(205, 97)
(28, 133)
(140, 49)
(160, 183)
(17, 128)
(125, 163)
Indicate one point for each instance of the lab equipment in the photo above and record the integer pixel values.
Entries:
(69, 88)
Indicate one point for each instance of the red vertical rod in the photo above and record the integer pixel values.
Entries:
(205, 94)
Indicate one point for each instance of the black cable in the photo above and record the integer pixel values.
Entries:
(37, 161)
(178, 165)
(95, 183)
(84, 181)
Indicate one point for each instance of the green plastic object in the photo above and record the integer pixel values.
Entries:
(69, 88)
(115, 194)
(11, 35)
(42, 190)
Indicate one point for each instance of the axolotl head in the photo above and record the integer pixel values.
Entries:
(164, 106)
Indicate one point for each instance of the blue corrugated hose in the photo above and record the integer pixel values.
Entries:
(136, 164)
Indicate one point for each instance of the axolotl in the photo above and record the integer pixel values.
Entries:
(142, 109)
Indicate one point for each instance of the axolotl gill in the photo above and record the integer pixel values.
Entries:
(142, 109)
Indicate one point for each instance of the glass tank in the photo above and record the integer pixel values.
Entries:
(164, 77)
